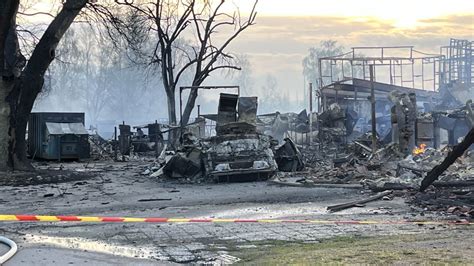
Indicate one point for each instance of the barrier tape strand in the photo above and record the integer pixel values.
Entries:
(108, 219)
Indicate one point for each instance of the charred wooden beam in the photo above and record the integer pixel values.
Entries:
(454, 184)
(340, 207)
(457, 151)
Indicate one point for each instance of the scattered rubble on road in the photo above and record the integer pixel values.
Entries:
(366, 135)
(248, 147)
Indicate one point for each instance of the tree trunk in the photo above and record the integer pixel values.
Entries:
(5, 88)
(21, 92)
(173, 135)
(11, 63)
(21, 104)
(171, 97)
(189, 106)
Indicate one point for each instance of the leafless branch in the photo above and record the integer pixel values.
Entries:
(155, 30)
(36, 14)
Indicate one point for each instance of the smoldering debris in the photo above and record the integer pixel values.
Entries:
(365, 135)
(336, 151)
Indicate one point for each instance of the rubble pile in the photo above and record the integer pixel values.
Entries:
(101, 148)
(398, 156)
(408, 173)
(461, 169)
(455, 201)
(282, 125)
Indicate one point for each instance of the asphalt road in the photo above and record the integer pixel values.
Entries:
(118, 191)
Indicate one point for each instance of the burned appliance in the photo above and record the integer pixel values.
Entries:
(58, 136)
(227, 111)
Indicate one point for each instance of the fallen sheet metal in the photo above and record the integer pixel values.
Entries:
(288, 157)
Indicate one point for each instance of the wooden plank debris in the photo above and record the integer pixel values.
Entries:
(357, 203)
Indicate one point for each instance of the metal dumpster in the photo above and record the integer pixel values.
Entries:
(57, 136)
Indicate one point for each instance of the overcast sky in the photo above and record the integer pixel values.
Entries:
(286, 29)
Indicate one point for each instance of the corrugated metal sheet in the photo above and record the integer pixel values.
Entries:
(65, 128)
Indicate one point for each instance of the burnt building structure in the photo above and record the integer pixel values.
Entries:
(345, 80)
(439, 82)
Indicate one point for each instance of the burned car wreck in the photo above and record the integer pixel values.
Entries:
(237, 153)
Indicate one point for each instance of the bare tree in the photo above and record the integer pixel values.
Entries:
(310, 62)
(272, 99)
(244, 77)
(189, 37)
(65, 70)
(99, 79)
(21, 84)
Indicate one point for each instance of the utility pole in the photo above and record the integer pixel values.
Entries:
(115, 144)
(372, 101)
(156, 138)
(310, 113)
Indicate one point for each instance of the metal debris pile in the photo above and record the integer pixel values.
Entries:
(423, 150)
(100, 148)
(237, 153)
(458, 201)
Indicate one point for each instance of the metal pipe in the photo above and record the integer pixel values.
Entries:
(310, 113)
(156, 138)
(423, 75)
(180, 112)
(115, 144)
(59, 148)
(320, 85)
(372, 101)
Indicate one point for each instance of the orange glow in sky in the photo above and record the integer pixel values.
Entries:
(400, 13)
